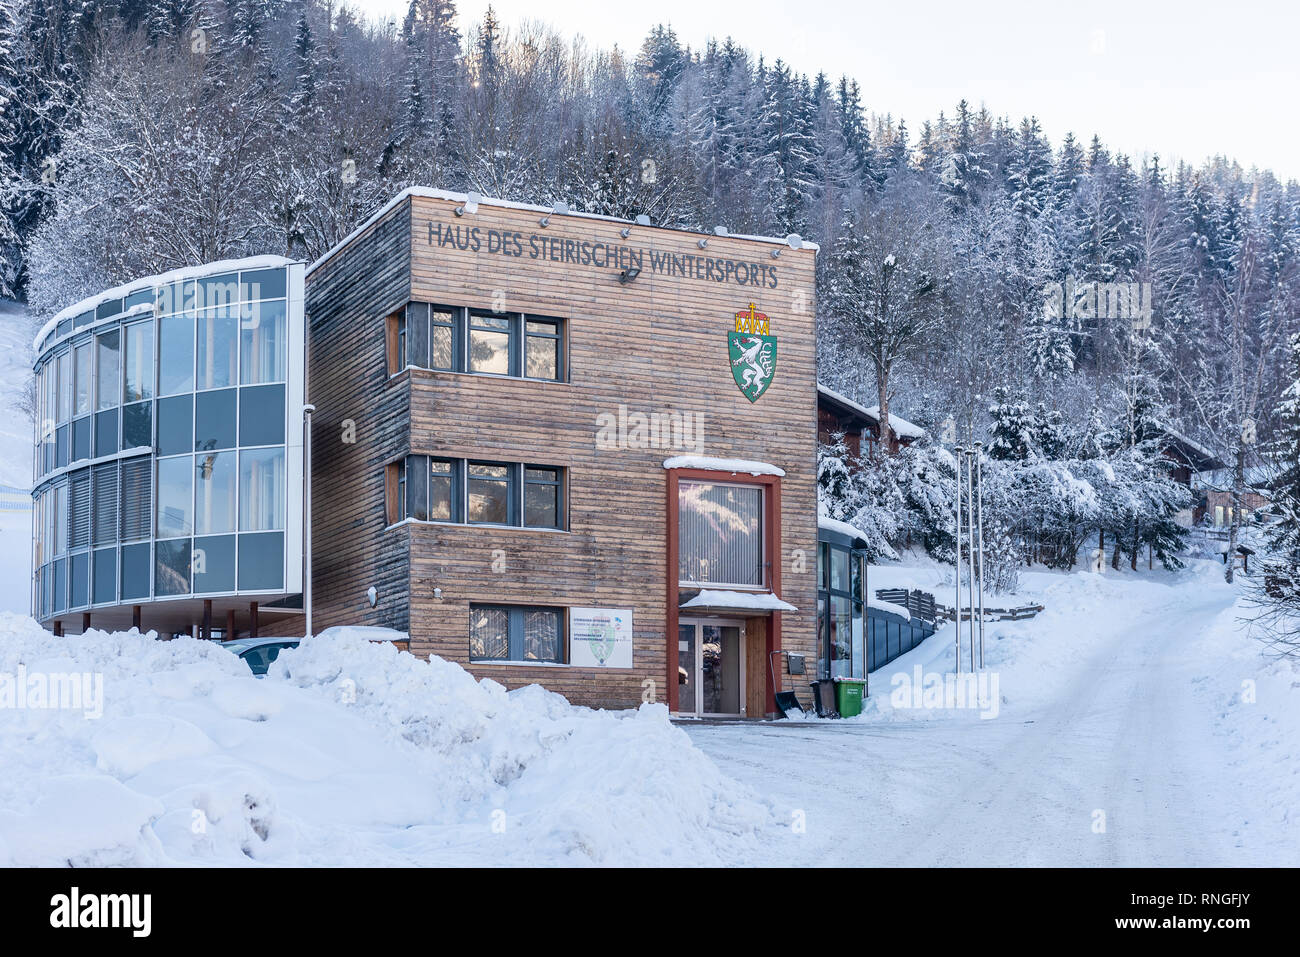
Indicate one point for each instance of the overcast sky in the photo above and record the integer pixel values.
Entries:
(1185, 79)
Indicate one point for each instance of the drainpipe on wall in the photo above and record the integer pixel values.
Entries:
(307, 411)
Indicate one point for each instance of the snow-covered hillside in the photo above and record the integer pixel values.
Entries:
(15, 457)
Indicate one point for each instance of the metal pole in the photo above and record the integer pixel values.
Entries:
(956, 608)
(970, 543)
(307, 411)
(979, 497)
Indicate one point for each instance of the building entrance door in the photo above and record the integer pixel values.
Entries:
(710, 667)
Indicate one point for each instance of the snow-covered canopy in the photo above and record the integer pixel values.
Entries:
(738, 601)
(843, 528)
(711, 464)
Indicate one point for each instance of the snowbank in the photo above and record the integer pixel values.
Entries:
(349, 752)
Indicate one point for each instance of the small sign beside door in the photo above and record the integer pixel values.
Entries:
(600, 637)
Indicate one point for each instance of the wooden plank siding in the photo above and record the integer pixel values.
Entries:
(655, 345)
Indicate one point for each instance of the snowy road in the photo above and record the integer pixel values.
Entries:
(1112, 759)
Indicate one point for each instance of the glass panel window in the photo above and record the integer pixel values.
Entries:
(839, 569)
(262, 284)
(720, 534)
(81, 373)
(104, 582)
(213, 564)
(489, 343)
(175, 496)
(541, 636)
(542, 498)
(64, 362)
(175, 354)
(261, 415)
(137, 425)
(261, 561)
(417, 488)
(442, 491)
(217, 291)
(442, 339)
(172, 567)
(490, 493)
(417, 335)
(106, 432)
(176, 425)
(135, 571)
(489, 633)
(542, 350)
(137, 362)
(214, 420)
(263, 345)
(106, 386)
(218, 345)
(214, 493)
(137, 498)
(261, 490)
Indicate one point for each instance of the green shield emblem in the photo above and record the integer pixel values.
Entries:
(753, 362)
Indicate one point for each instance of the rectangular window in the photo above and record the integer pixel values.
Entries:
(214, 420)
(104, 503)
(542, 349)
(175, 354)
(106, 432)
(490, 493)
(137, 499)
(81, 372)
(261, 415)
(135, 571)
(172, 567)
(516, 633)
(542, 500)
(214, 494)
(720, 534)
(104, 576)
(79, 509)
(214, 564)
(218, 348)
(137, 362)
(261, 490)
(261, 561)
(64, 363)
(263, 343)
(176, 424)
(489, 343)
(175, 496)
(443, 497)
(442, 338)
(137, 425)
(107, 374)
(262, 284)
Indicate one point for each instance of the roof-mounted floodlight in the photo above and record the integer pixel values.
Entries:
(704, 244)
(470, 205)
(794, 241)
(557, 209)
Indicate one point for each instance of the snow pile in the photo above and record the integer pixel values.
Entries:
(739, 600)
(734, 466)
(348, 752)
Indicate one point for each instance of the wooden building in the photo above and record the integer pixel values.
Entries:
(569, 450)
(860, 425)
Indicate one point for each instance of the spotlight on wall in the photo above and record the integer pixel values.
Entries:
(437, 593)
(704, 244)
(470, 205)
(628, 274)
(372, 596)
(557, 209)
(794, 241)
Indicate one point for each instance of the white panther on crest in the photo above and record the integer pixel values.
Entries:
(757, 360)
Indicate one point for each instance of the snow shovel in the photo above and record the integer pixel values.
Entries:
(787, 702)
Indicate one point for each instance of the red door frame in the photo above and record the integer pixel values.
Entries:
(771, 485)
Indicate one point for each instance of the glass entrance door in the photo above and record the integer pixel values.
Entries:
(710, 667)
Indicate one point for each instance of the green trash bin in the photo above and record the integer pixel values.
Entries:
(849, 693)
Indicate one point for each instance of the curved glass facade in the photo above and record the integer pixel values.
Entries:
(169, 441)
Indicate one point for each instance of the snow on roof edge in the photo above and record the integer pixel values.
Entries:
(161, 279)
(711, 464)
(844, 528)
(428, 192)
(900, 425)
